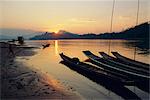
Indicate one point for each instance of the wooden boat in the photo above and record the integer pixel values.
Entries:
(89, 68)
(131, 61)
(109, 81)
(141, 81)
(46, 45)
(114, 67)
(119, 63)
(125, 79)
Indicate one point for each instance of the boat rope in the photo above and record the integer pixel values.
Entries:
(137, 18)
(111, 24)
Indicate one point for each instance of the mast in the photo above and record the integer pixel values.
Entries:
(111, 24)
(137, 19)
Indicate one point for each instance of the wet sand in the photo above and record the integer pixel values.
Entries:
(19, 81)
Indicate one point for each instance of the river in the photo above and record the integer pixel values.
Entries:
(48, 60)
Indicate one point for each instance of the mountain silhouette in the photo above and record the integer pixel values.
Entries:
(60, 35)
(139, 32)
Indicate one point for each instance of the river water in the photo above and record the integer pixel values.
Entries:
(48, 60)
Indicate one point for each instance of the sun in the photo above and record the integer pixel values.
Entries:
(55, 31)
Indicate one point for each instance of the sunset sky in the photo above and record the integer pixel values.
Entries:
(78, 16)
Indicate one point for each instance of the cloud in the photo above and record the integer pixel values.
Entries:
(82, 20)
(124, 17)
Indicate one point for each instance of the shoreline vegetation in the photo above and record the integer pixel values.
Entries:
(19, 81)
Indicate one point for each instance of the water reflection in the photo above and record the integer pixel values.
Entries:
(56, 47)
(75, 48)
(47, 60)
(142, 46)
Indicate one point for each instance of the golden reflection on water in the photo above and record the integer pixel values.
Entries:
(56, 48)
(48, 60)
(74, 48)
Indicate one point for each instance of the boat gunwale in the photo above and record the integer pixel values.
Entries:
(114, 87)
(96, 70)
(115, 61)
(112, 67)
(128, 60)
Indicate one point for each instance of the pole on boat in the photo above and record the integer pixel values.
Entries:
(137, 19)
(111, 24)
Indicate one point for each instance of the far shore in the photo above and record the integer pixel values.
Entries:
(19, 81)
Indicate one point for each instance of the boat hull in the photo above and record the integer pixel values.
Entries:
(109, 83)
(139, 80)
(131, 61)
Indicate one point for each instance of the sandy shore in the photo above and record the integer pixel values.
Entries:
(20, 82)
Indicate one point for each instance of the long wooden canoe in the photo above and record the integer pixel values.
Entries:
(87, 67)
(131, 61)
(114, 67)
(119, 63)
(124, 78)
(108, 81)
(141, 81)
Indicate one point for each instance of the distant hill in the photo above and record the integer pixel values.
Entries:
(60, 35)
(135, 33)
(138, 32)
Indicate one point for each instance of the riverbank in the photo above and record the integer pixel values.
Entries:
(19, 81)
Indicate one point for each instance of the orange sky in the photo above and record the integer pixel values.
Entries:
(81, 16)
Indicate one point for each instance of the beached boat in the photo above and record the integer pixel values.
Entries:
(113, 67)
(141, 81)
(117, 62)
(72, 61)
(109, 81)
(131, 61)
